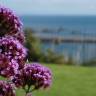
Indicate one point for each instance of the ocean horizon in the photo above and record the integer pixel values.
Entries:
(84, 24)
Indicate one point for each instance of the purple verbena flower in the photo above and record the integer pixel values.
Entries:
(12, 56)
(6, 89)
(9, 22)
(34, 75)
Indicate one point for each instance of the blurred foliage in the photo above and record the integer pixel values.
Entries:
(52, 57)
(33, 45)
(90, 63)
(70, 61)
(36, 54)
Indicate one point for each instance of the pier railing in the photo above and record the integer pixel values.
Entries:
(67, 39)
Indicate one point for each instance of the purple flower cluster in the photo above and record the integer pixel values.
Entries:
(9, 23)
(12, 56)
(34, 75)
(6, 89)
(12, 52)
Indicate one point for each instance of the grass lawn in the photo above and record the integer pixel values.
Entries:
(70, 81)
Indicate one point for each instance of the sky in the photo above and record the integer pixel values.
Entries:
(51, 7)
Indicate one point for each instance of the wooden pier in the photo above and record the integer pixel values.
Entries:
(66, 39)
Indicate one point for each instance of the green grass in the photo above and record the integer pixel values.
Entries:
(70, 81)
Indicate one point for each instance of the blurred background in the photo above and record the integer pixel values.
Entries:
(60, 33)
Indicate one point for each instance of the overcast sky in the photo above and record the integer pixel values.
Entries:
(52, 7)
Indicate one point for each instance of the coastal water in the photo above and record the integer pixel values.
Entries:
(66, 26)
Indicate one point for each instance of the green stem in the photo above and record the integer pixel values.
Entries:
(32, 90)
(27, 91)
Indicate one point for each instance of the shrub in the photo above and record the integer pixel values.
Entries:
(33, 46)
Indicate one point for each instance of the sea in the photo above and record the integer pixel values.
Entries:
(66, 26)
